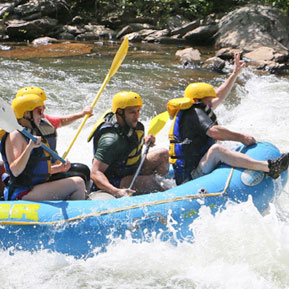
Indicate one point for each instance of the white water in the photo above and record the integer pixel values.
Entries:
(238, 248)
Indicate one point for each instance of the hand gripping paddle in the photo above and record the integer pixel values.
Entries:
(156, 124)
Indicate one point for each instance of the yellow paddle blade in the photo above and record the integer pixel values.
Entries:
(118, 58)
(158, 122)
(117, 61)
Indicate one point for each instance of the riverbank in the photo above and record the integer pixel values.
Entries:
(259, 33)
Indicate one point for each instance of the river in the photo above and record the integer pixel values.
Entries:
(238, 248)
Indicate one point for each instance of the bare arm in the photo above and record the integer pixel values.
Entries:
(68, 119)
(60, 167)
(224, 90)
(18, 151)
(99, 178)
(221, 133)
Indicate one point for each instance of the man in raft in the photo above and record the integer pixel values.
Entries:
(28, 165)
(118, 141)
(193, 134)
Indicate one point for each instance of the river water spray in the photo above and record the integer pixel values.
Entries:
(237, 248)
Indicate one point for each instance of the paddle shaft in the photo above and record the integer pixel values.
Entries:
(86, 116)
(119, 57)
(46, 148)
(156, 124)
(140, 165)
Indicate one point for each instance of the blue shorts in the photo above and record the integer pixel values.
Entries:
(17, 194)
(114, 181)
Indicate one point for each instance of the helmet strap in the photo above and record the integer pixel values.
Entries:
(32, 123)
(128, 130)
(30, 118)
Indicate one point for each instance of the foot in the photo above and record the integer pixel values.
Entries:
(278, 166)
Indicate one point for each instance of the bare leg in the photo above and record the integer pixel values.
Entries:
(157, 161)
(218, 153)
(142, 185)
(69, 188)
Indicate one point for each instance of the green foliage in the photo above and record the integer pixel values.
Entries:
(162, 9)
(281, 4)
(6, 14)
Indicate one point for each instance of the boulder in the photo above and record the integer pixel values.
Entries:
(268, 58)
(215, 64)
(156, 35)
(133, 27)
(188, 56)
(5, 8)
(253, 26)
(202, 34)
(27, 30)
(54, 9)
(92, 32)
(181, 31)
(140, 35)
(44, 41)
(95, 32)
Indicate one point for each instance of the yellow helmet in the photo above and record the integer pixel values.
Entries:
(26, 102)
(124, 99)
(32, 90)
(199, 90)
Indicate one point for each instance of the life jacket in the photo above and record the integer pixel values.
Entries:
(37, 170)
(2, 133)
(127, 162)
(178, 143)
(48, 131)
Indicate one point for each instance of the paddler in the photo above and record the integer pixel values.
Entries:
(48, 126)
(194, 151)
(118, 141)
(28, 165)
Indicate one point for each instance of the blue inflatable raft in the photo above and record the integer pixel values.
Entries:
(83, 228)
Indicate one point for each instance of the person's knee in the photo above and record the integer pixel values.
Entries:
(217, 149)
(164, 155)
(80, 186)
(218, 152)
(164, 161)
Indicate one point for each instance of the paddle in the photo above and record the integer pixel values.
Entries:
(8, 122)
(156, 124)
(119, 57)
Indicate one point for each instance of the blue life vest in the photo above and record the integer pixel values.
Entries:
(182, 149)
(37, 171)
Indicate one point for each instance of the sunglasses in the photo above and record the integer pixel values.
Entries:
(40, 110)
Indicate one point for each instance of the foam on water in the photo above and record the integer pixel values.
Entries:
(237, 248)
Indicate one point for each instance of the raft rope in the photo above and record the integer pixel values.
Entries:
(117, 210)
(136, 206)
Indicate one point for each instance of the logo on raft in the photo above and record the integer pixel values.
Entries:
(19, 212)
(252, 178)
